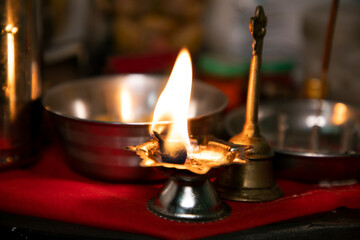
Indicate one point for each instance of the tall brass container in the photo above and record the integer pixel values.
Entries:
(20, 108)
(254, 181)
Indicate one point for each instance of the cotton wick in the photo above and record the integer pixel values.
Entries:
(171, 152)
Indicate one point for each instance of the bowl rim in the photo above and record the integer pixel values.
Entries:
(242, 110)
(114, 77)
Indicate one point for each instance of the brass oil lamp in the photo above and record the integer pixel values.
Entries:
(254, 181)
(188, 195)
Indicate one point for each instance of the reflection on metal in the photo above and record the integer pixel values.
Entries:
(11, 87)
(126, 105)
(35, 79)
(20, 109)
(80, 110)
(315, 120)
(254, 181)
(340, 114)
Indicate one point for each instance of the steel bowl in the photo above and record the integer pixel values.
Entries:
(87, 115)
(310, 145)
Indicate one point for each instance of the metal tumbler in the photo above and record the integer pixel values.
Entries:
(20, 88)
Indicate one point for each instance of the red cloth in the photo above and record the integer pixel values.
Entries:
(50, 189)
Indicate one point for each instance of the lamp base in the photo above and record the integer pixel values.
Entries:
(188, 201)
(252, 182)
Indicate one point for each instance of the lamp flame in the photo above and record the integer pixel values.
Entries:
(173, 103)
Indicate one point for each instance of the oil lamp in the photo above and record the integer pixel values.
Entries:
(254, 181)
(188, 195)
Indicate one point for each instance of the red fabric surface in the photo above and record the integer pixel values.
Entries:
(50, 189)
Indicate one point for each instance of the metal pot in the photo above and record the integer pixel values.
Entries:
(333, 154)
(86, 114)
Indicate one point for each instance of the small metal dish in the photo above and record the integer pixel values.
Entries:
(88, 117)
(309, 145)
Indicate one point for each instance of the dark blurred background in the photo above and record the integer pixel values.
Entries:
(84, 38)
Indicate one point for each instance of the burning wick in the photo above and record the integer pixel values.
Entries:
(171, 151)
(171, 146)
(173, 106)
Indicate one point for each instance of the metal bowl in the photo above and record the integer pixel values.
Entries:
(309, 145)
(87, 116)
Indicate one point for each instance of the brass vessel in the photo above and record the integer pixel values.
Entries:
(20, 83)
(188, 195)
(254, 181)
